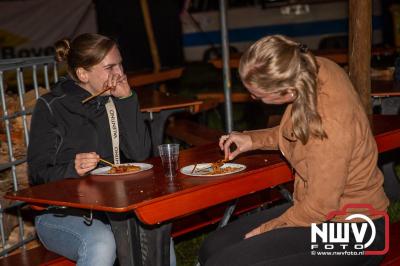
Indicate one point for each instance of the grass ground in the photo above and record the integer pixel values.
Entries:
(187, 249)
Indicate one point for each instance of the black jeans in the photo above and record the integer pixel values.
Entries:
(284, 246)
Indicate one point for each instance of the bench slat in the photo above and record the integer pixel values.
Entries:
(35, 256)
(214, 214)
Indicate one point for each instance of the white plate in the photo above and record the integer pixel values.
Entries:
(104, 170)
(201, 169)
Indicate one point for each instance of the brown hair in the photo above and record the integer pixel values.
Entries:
(84, 51)
(277, 63)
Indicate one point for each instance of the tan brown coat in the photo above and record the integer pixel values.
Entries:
(333, 172)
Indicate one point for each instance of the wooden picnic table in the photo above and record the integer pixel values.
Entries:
(158, 107)
(155, 200)
(385, 88)
(139, 79)
(154, 101)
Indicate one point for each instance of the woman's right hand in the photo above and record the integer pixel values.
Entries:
(119, 85)
(242, 141)
(85, 162)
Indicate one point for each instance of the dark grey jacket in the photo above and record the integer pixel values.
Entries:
(62, 126)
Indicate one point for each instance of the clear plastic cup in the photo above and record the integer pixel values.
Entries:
(169, 154)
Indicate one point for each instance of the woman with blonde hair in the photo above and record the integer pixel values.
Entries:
(326, 138)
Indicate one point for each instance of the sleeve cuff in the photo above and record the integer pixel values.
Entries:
(273, 224)
(130, 95)
(71, 172)
(263, 139)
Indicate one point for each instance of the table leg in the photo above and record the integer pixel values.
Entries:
(139, 244)
(387, 105)
(157, 126)
(391, 106)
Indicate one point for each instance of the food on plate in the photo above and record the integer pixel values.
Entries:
(217, 165)
(224, 170)
(217, 168)
(118, 169)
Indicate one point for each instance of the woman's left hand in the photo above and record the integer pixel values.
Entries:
(242, 141)
(268, 226)
(254, 232)
(85, 162)
(119, 85)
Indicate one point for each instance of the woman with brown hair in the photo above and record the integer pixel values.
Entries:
(326, 138)
(68, 137)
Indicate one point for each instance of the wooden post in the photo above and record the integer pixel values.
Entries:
(360, 35)
(150, 36)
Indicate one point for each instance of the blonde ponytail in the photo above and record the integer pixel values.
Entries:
(278, 63)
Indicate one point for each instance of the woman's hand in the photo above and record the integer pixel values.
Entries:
(268, 226)
(242, 141)
(85, 162)
(119, 85)
(254, 232)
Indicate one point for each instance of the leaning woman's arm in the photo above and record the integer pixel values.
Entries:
(327, 170)
(42, 149)
(264, 139)
(136, 141)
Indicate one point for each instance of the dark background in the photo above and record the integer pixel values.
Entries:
(123, 20)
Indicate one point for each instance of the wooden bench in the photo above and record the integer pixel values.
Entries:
(192, 133)
(211, 216)
(196, 134)
(43, 257)
(236, 97)
(214, 214)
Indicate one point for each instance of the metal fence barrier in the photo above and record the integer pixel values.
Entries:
(20, 68)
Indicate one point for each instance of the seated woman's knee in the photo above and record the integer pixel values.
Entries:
(102, 245)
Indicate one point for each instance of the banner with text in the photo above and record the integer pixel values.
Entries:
(30, 28)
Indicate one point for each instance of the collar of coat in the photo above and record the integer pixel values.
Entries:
(287, 125)
(69, 87)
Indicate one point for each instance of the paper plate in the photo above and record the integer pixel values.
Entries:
(104, 170)
(204, 169)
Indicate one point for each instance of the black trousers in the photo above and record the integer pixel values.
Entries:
(284, 246)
